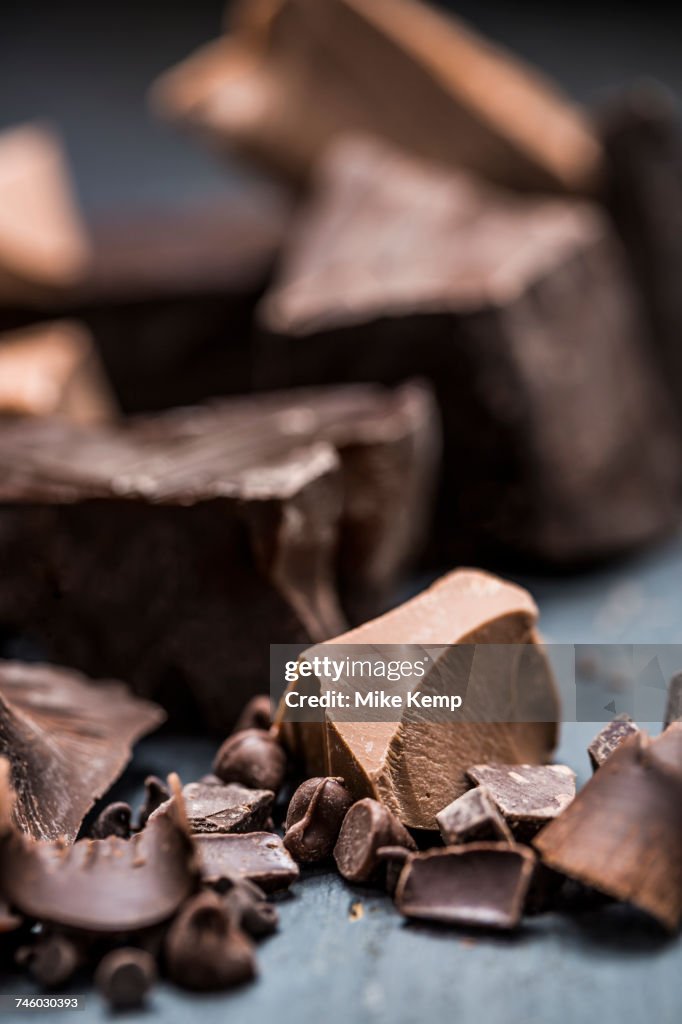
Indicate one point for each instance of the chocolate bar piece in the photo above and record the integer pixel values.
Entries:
(472, 818)
(526, 795)
(673, 707)
(398, 68)
(642, 140)
(416, 763)
(622, 834)
(43, 247)
(481, 884)
(258, 857)
(214, 808)
(610, 738)
(67, 740)
(558, 438)
(53, 370)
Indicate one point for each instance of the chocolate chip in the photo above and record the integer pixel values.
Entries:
(125, 976)
(527, 796)
(114, 820)
(253, 758)
(610, 738)
(314, 818)
(156, 793)
(257, 714)
(368, 825)
(205, 950)
(52, 960)
(250, 910)
(471, 818)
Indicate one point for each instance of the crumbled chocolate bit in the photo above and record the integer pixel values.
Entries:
(257, 714)
(526, 795)
(610, 738)
(259, 857)
(368, 825)
(253, 758)
(314, 818)
(125, 977)
(156, 793)
(205, 950)
(114, 820)
(472, 818)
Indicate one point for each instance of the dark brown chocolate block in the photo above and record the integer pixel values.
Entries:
(212, 808)
(526, 795)
(558, 439)
(258, 857)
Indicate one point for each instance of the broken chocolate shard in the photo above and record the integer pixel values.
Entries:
(252, 758)
(480, 884)
(314, 818)
(528, 796)
(622, 835)
(437, 89)
(257, 714)
(396, 269)
(114, 820)
(258, 857)
(125, 977)
(67, 740)
(367, 827)
(53, 370)
(416, 765)
(214, 808)
(204, 950)
(610, 738)
(673, 707)
(472, 818)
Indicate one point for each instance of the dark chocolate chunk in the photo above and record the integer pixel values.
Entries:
(563, 444)
(472, 818)
(205, 950)
(114, 820)
(250, 909)
(52, 959)
(253, 758)
(220, 808)
(610, 738)
(125, 977)
(393, 857)
(156, 793)
(527, 796)
(258, 857)
(257, 714)
(480, 884)
(314, 819)
(622, 835)
(367, 827)
(673, 707)
(67, 740)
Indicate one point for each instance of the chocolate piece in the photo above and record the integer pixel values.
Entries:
(114, 820)
(622, 835)
(640, 129)
(9, 922)
(42, 242)
(52, 960)
(394, 858)
(53, 369)
(204, 949)
(314, 819)
(416, 765)
(156, 793)
(610, 738)
(481, 884)
(125, 977)
(397, 269)
(258, 857)
(367, 827)
(395, 67)
(217, 808)
(253, 758)
(257, 714)
(673, 707)
(472, 818)
(67, 741)
(250, 910)
(527, 795)
(98, 885)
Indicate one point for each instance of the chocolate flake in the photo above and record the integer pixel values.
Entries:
(610, 738)
(472, 818)
(526, 795)
(258, 857)
(367, 827)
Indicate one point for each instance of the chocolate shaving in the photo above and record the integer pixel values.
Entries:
(526, 795)
(67, 741)
(258, 857)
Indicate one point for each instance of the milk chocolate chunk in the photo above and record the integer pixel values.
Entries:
(396, 67)
(43, 247)
(527, 796)
(673, 708)
(367, 827)
(314, 818)
(204, 950)
(218, 808)
(480, 884)
(67, 740)
(125, 977)
(53, 369)
(472, 818)
(610, 738)
(253, 758)
(397, 269)
(416, 764)
(622, 835)
(258, 857)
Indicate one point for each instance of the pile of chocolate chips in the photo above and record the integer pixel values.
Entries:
(184, 889)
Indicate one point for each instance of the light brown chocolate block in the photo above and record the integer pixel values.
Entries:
(416, 764)
(412, 75)
(53, 370)
(43, 247)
